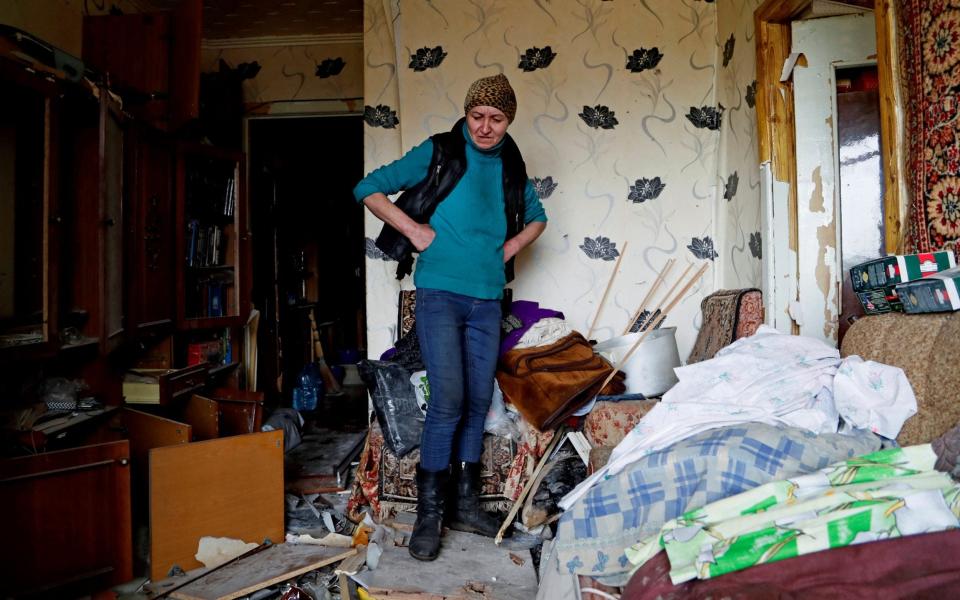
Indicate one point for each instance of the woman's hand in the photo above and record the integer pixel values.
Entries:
(510, 249)
(421, 236)
(523, 239)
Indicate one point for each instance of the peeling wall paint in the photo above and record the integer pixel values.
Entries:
(825, 274)
(826, 43)
(816, 198)
(780, 261)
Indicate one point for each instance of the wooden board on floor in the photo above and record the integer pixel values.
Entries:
(274, 565)
(321, 461)
(229, 487)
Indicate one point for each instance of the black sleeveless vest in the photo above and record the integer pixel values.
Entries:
(447, 166)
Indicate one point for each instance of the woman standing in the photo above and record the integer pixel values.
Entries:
(468, 209)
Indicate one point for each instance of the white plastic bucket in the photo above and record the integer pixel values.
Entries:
(650, 368)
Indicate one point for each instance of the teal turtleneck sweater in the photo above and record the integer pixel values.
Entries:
(466, 256)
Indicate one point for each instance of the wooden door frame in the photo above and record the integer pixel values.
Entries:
(776, 124)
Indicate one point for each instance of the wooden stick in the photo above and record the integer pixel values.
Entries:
(559, 435)
(606, 292)
(657, 322)
(670, 292)
(653, 288)
(330, 383)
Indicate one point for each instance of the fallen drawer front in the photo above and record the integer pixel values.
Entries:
(169, 384)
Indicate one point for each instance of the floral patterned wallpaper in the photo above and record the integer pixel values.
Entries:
(636, 123)
(309, 72)
(738, 173)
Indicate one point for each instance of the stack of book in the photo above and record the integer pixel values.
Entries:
(206, 245)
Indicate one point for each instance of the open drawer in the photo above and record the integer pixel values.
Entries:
(161, 386)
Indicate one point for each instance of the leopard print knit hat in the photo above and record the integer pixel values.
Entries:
(492, 91)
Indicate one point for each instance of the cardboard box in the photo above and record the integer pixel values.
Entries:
(891, 270)
(939, 292)
(878, 302)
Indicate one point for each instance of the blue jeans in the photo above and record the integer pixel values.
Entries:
(459, 340)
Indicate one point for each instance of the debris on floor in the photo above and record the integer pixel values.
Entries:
(469, 566)
(273, 565)
(322, 461)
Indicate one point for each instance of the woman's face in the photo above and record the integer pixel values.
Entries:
(487, 126)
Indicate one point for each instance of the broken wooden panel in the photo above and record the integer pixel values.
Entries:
(321, 461)
(203, 414)
(66, 520)
(241, 411)
(238, 417)
(273, 565)
(229, 487)
(826, 43)
(148, 431)
(145, 432)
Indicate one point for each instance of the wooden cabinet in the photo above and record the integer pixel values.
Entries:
(31, 225)
(212, 238)
(68, 515)
(163, 386)
(151, 59)
(150, 228)
(92, 301)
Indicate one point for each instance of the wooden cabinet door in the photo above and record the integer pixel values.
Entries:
(67, 515)
(93, 261)
(111, 225)
(150, 217)
(31, 224)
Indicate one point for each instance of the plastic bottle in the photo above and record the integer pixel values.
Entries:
(309, 388)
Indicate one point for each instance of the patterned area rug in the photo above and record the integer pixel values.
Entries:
(929, 40)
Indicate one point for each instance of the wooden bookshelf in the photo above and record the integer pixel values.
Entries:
(211, 238)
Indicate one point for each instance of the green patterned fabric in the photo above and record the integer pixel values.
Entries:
(886, 494)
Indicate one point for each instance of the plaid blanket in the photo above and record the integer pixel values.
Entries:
(636, 502)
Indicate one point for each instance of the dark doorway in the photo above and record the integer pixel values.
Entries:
(307, 243)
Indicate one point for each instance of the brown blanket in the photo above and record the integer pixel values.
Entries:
(918, 566)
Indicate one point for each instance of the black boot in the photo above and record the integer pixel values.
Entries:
(425, 541)
(468, 516)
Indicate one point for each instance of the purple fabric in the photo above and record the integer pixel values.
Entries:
(523, 315)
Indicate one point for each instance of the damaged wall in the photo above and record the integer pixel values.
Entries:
(620, 122)
(826, 44)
